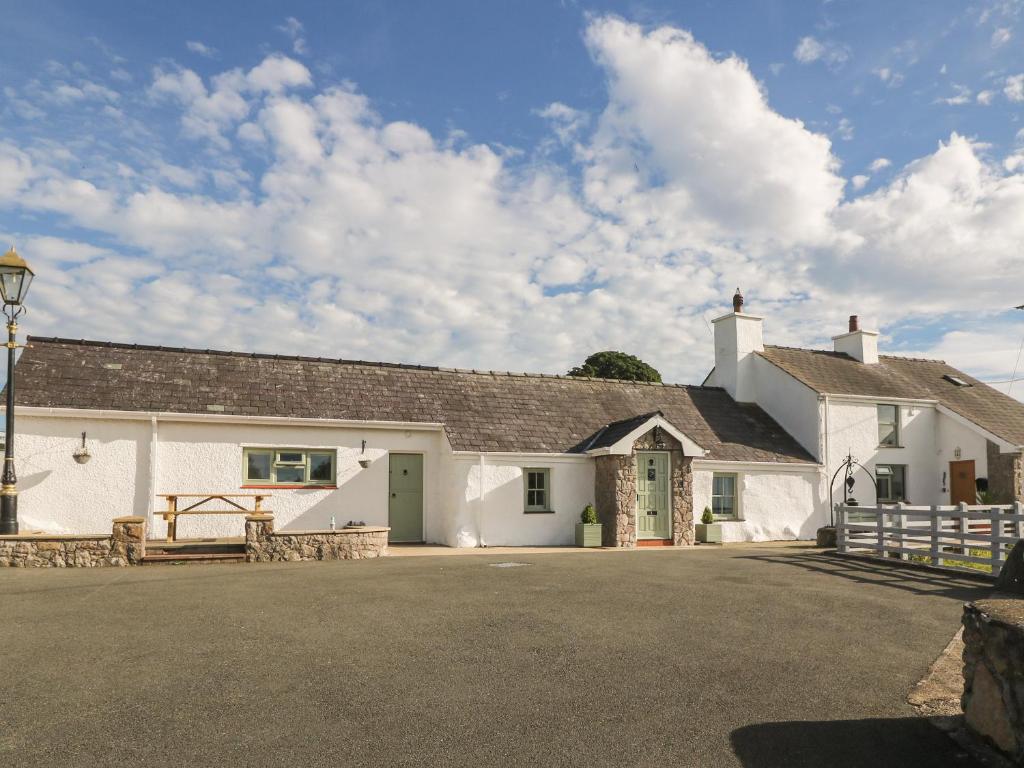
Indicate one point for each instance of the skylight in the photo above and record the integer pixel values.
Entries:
(956, 380)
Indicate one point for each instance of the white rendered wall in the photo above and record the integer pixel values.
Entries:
(774, 504)
(491, 513)
(58, 495)
(794, 405)
(737, 337)
(928, 439)
(61, 495)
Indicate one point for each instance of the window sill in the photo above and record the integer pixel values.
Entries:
(893, 447)
(538, 511)
(287, 487)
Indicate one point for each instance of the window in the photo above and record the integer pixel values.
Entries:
(537, 488)
(892, 482)
(723, 496)
(288, 466)
(889, 426)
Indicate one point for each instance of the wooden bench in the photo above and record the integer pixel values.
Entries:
(171, 514)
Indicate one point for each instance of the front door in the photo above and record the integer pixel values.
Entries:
(652, 496)
(961, 483)
(405, 502)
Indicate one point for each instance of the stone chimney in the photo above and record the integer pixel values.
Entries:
(858, 344)
(737, 337)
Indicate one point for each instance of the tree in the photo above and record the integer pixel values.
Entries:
(616, 365)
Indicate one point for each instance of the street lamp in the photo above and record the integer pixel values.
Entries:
(15, 278)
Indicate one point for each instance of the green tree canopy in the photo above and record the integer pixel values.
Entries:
(616, 365)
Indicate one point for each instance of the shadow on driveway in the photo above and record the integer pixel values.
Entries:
(863, 570)
(906, 741)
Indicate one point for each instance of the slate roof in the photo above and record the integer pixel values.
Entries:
(610, 434)
(481, 410)
(836, 373)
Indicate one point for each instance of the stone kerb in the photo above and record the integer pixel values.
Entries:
(264, 545)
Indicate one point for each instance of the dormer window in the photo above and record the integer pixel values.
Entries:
(888, 426)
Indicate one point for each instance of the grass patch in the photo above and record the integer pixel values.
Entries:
(952, 562)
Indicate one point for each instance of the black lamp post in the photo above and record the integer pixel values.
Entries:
(15, 278)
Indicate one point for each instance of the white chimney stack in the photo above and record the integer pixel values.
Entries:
(737, 337)
(858, 344)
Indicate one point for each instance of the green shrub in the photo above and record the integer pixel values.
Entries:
(589, 515)
(707, 518)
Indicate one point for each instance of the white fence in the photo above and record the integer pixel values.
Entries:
(974, 538)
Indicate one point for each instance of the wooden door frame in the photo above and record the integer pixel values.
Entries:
(423, 493)
(974, 483)
(636, 502)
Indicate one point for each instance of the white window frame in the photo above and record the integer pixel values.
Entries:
(897, 434)
(735, 496)
(276, 462)
(535, 508)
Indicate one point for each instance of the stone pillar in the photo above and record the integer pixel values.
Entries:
(128, 540)
(615, 499)
(682, 499)
(1004, 475)
(258, 528)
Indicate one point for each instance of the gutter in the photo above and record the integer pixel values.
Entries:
(223, 418)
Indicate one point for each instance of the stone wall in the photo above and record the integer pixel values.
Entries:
(993, 699)
(615, 492)
(126, 545)
(1004, 475)
(263, 545)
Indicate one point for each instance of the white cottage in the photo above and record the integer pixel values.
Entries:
(484, 458)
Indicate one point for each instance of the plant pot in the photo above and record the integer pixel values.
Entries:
(709, 533)
(364, 463)
(588, 534)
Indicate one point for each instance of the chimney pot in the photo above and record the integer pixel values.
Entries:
(854, 323)
(737, 301)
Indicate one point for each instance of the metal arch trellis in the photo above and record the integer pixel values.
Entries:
(848, 464)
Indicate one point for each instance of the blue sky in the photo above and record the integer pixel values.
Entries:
(516, 185)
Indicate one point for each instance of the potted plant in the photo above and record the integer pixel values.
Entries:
(708, 531)
(588, 530)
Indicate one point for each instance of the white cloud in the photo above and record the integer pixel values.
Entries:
(810, 49)
(294, 29)
(201, 49)
(961, 95)
(1014, 88)
(845, 129)
(352, 235)
(1001, 37)
(985, 97)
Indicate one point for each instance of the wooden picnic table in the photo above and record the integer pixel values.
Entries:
(170, 515)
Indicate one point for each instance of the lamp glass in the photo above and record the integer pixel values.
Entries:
(14, 283)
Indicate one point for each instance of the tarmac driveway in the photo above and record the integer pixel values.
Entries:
(752, 656)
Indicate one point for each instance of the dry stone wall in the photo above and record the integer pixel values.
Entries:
(1005, 475)
(993, 698)
(263, 545)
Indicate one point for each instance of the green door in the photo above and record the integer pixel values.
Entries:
(405, 505)
(652, 496)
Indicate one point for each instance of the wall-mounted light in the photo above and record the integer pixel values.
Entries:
(82, 455)
(659, 441)
(957, 453)
(364, 460)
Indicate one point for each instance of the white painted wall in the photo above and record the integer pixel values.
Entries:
(775, 503)
(929, 440)
(491, 511)
(737, 338)
(794, 405)
(58, 495)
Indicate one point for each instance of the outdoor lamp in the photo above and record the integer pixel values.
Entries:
(15, 278)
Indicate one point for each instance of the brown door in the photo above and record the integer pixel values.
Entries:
(961, 482)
